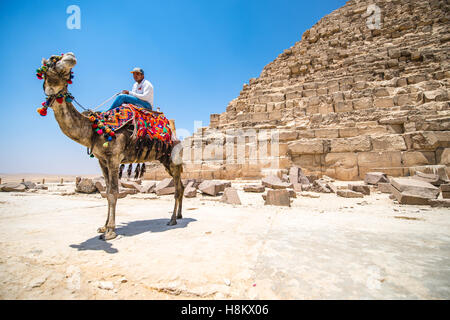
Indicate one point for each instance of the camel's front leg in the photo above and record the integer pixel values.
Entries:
(112, 195)
(106, 176)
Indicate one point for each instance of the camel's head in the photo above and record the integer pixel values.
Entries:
(56, 72)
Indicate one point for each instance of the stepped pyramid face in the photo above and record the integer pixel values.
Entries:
(366, 89)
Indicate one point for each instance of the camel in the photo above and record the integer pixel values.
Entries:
(120, 151)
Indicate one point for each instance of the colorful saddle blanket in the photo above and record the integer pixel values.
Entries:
(146, 123)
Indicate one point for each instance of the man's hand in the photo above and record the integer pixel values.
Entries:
(125, 92)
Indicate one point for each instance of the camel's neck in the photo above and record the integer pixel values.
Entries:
(72, 123)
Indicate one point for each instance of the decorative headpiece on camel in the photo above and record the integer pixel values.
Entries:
(124, 135)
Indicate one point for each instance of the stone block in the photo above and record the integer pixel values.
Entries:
(254, 188)
(165, 183)
(414, 187)
(278, 198)
(349, 194)
(388, 142)
(190, 192)
(384, 187)
(12, 187)
(363, 103)
(274, 182)
(165, 191)
(361, 143)
(86, 185)
(230, 196)
(439, 203)
(375, 177)
(383, 102)
(364, 189)
(306, 146)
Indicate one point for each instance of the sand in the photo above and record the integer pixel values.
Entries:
(319, 248)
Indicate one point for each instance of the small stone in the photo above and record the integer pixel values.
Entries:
(37, 282)
(123, 280)
(227, 282)
(105, 285)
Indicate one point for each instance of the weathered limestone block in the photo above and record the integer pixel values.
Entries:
(439, 203)
(388, 142)
(230, 196)
(287, 135)
(131, 185)
(326, 133)
(278, 198)
(212, 187)
(85, 185)
(384, 187)
(361, 143)
(418, 158)
(372, 160)
(349, 194)
(364, 189)
(343, 106)
(386, 102)
(254, 188)
(166, 183)
(375, 178)
(427, 140)
(412, 191)
(12, 187)
(306, 146)
(348, 132)
(274, 182)
(415, 187)
(165, 191)
(363, 103)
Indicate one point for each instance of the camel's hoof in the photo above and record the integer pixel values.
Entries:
(180, 217)
(101, 230)
(108, 235)
(172, 222)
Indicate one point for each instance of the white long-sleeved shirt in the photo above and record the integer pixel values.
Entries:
(143, 91)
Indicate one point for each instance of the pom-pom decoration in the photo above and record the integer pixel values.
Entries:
(42, 111)
(105, 145)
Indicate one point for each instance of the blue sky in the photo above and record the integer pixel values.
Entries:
(197, 54)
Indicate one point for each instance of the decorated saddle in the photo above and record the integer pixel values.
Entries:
(146, 123)
(151, 129)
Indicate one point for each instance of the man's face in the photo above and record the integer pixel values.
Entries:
(138, 76)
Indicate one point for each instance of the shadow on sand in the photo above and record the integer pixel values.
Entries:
(128, 230)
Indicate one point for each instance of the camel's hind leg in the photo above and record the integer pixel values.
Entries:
(175, 172)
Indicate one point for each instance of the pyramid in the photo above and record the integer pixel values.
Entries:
(365, 89)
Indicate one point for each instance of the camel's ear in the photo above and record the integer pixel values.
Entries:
(44, 61)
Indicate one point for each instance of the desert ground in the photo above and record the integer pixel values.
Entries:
(322, 247)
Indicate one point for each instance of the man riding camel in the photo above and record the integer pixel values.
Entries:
(141, 95)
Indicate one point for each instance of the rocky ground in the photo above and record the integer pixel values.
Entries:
(321, 247)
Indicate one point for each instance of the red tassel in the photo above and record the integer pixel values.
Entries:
(69, 81)
(60, 100)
